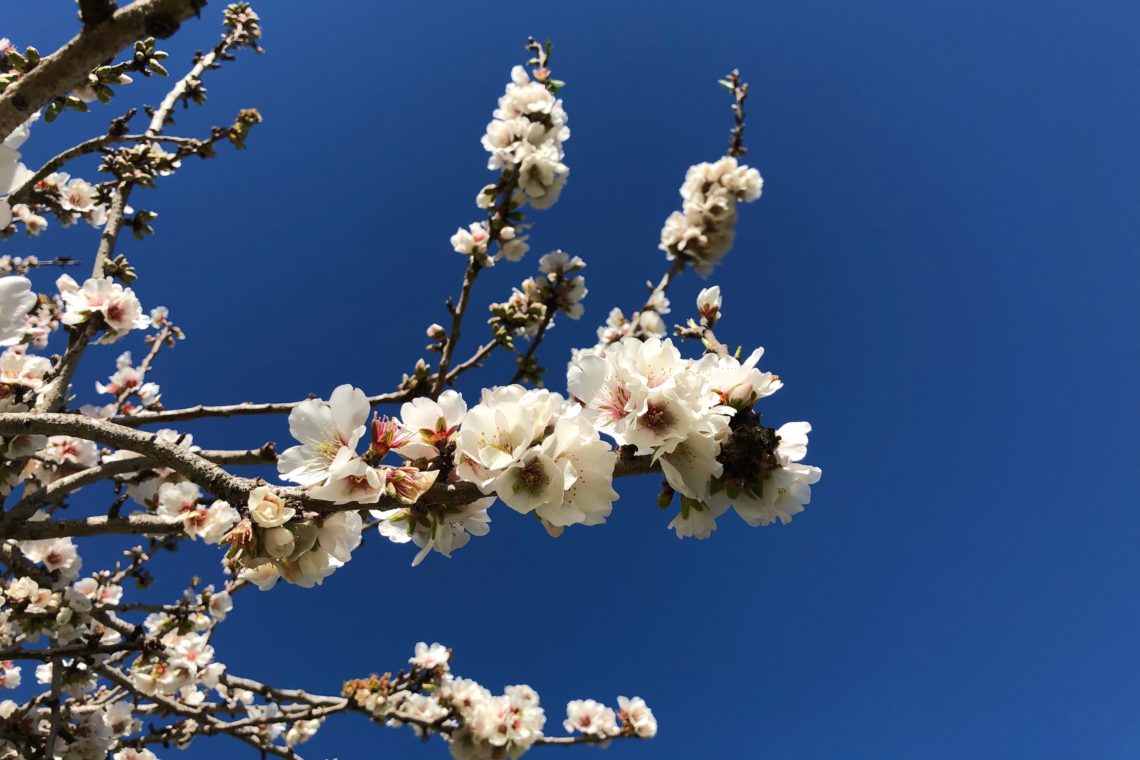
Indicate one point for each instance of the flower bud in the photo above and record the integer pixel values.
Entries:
(741, 396)
(708, 303)
(278, 542)
(486, 197)
(268, 509)
(304, 538)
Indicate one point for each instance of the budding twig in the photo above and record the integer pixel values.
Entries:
(739, 89)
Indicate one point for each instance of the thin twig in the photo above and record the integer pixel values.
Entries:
(533, 347)
(94, 145)
(243, 409)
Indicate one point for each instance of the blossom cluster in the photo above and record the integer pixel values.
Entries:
(427, 477)
(695, 419)
(524, 140)
(542, 454)
(703, 230)
(481, 725)
(647, 322)
(526, 135)
(529, 306)
(118, 307)
(276, 542)
(533, 450)
(128, 387)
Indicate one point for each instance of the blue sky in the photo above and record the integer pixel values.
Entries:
(942, 268)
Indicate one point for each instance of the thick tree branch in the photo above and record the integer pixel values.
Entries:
(60, 489)
(68, 67)
(187, 463)
(96, 11)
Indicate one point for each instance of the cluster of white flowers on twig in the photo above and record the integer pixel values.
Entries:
(481, 725)
(703, 230)
(125, 678)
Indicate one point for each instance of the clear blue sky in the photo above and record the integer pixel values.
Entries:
(942, 267)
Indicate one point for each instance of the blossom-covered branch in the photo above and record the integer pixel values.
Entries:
(75, 464)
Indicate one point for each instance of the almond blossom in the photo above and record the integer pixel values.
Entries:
(591, 718)
(118, 306)
(433, 424)
(703, 231)
(324, 429)
(529, 449)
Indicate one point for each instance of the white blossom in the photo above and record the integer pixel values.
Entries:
(350, 480)
(590, 718)
(9, 674)
(324, 429)
(443, 532)
(301, 731)
(471, 241)
(634, 712)
(709, 302)
(432, 423)
(430, 656)
(16, 300)
(131, 753)
(119, 307)
(529, 448)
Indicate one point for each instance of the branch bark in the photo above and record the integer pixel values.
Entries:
(68, 67)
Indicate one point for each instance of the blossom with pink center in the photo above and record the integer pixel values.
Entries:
(472, 241)
(590, 718)
(434, 424)
(119, 307)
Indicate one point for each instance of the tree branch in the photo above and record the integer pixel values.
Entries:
(94, 145)
(68, 67)
(96, 11)
(55, 397)
(533, 347)
(243, 409)
(60, 489)
(209, 476)
(180, 459)
(457, 314)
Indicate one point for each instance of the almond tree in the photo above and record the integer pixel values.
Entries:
(125, 678)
